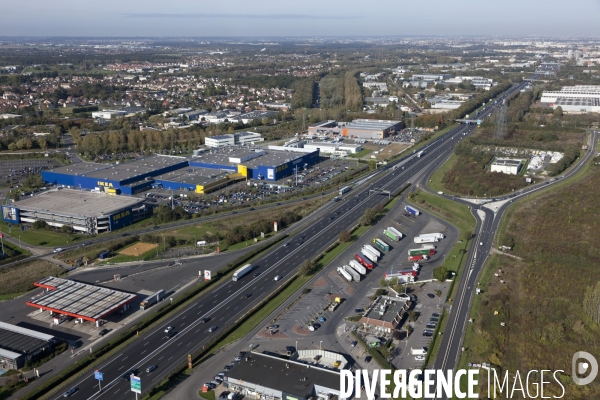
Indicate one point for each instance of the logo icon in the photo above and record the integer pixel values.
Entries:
(579, 367)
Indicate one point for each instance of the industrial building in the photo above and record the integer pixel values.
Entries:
(84, 211)
(333, 148)
(240, 138)
(506, 166)
(18, 345)
(262, 376)
(108, 114)
(385, 314)
(371, 129)
(574, 99)
(67, 298)
(201, 174)
(324, 128)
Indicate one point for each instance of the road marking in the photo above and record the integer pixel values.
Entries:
(161, 358)
(169, 359)
(146, 343)
(124, 359)
(143, 351)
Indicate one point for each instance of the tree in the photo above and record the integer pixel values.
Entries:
(306, 268)
(467, 235)
(440, 273)
(558, 112)
(66, 229)
(591, 302)
(413, 315)
(40, 225)
(368, 217)
(345, 236)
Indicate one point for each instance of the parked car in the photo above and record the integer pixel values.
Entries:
(103, 332)
(322, 319)
(368, 359)
(359, 310)
(419, 358)
(431, 295)
(353, 343)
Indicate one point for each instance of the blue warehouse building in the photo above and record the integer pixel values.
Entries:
(201, 174)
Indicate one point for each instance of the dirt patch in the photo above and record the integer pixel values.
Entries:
(137, 249)
(320, 282)
(350, 291)
(391, 150)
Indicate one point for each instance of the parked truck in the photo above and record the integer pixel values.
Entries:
(412, 210)
(359, 268)
(372, 250)
(346, 275)
(152, 299)
(428, 246)
(391, 235)
(416, 266)
(402, 278)
(381, 244)
(418, 352)
(417, 258)
(333, 306)
(438, 236)
(421, 252)
(241, 272)
(367, 253)
(409, 271)
(355, 275)
(365, 262)
(425, 239)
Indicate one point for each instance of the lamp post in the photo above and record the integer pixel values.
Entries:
(321, 342)
(296, 345)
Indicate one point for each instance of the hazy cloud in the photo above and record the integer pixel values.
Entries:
(239, 16)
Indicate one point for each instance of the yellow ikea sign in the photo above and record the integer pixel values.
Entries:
(242, 169)
(107, 184)
(121, 215)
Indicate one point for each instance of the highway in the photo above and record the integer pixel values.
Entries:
(228, 301)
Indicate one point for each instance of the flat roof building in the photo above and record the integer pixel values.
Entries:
(334, 148)
(370, 128)
(84, 211)
(385, 314)
(262, 376)
(506, 166)
(235, 139)
(79, 300)
(574, 99)
(18, 345)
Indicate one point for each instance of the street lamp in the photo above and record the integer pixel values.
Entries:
(320, 345)
(296, 346)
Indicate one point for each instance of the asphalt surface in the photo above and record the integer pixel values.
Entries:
(227, 302)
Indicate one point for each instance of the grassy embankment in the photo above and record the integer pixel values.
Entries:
(19, 279)
(539, 295)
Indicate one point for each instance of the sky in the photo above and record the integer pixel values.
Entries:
(202, 18)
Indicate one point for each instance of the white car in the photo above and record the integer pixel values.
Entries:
(481, 243)
(58, 250)
(277, 278)
(169, 329)
(419, 358)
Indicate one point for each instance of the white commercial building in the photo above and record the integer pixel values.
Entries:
(108, 114)
(240, 138)
(506, 166)
(574, 99)
(333, 148)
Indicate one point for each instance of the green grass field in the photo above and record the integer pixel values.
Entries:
(361, 153)
(41, 237)
(435, 181)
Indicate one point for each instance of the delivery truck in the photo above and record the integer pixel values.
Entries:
(381, 244)
(417, 258)
(412, 211)
(346, 275)
(359, 268)
(391, 235)
(355, 275)
(425, 239)
(395, 231)
(369, 255)
(152, 299)
(365, 262)
(372, 250)
(402, 278)
(421, 252)
(241, 272)
(438, 236)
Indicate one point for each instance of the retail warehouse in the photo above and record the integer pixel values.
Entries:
(64, 297)
(201, 174)
(84, 211)
(17, 345)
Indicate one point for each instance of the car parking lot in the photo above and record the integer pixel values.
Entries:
(15, 170)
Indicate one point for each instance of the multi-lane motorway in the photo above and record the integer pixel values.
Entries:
(228, 301)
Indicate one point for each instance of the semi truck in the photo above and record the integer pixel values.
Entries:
(419, 154)
(416, 266)
(417, 258)
(428, 246)
(410, 272)
(369, 255)
(355, 275)
(438, 236)
(346, 275)
(425, 239)
(363, 261)
(381, 244)
(241, 272)
(412, 210)
(152, 299)
(421, 252)
(372, 250)
(345, 189)
(391, 235)
(359, 268)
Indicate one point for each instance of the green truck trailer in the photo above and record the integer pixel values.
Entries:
(381, 244)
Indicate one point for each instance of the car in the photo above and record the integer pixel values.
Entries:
(481, 243)
(256, 274)
(221, 374)
(238, 358)
(359, 310)
(125, 234)
(426, 333)
(286, 244)
(322, 319)
(127, 375)
(277, 278)
(278, 204)
(272, 327)
(419, 358)
(205, 320)
(435, 315)
(252, 208)
(248, 295)
(304, 198)
(431, 325)
(368, 359)
(353, 343)
(242, 353)
(433, 320)
(168, 329)
(224, 395)
(58, 250)
(212, 329)
(227, 368)
(431, 295)
(103, 332)
(151, 368)
(209, 385)
(69, 392)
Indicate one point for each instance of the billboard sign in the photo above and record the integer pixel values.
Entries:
(10, 214)
(207, 276)
(270, 173)
(136, 384)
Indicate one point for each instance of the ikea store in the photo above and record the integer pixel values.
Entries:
(201, 174)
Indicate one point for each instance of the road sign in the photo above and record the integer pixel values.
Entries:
(207, 275)
(136, 384)
(98, 375)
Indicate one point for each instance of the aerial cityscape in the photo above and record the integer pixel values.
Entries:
(309, 204)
